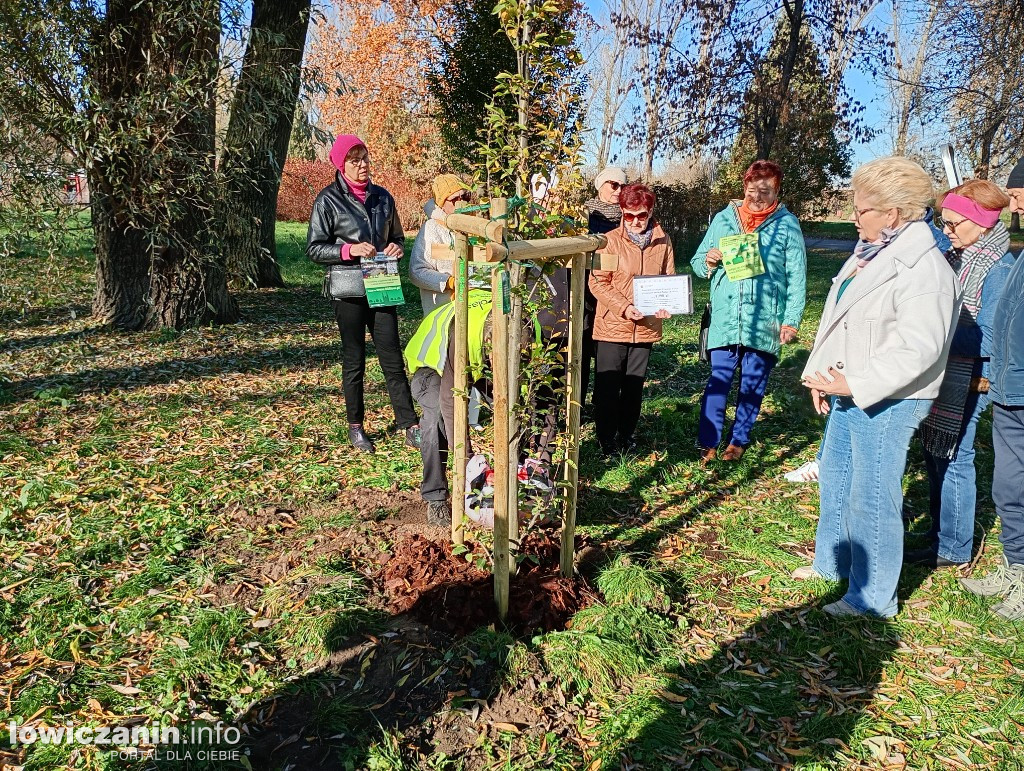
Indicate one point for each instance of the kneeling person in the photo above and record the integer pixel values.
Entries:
(430, 357)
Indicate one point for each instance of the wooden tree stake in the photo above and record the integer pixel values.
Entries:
(499, 369)
(574, 389)
(461, 384)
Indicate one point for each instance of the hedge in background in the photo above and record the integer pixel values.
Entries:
(302, 181)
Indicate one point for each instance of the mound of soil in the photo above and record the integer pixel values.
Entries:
(454, 593)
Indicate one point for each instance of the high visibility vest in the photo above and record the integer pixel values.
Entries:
(428, 347)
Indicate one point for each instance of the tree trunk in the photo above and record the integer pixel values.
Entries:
(122, 265)
(771, 111)
(256, 143)
(155, 66)
(984, 165)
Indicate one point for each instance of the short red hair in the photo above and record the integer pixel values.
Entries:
(764, 170)
(637, 196)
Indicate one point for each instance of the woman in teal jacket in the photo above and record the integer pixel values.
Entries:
(759, 244)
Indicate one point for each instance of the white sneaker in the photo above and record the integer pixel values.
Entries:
(806, 473)
(805, 573)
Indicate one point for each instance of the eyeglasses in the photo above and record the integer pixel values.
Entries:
(858, 213)
(615, 185)
(359, 161)
(946, 224)
(461, 197)
(635, 216)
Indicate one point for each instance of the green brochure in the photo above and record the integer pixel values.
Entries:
(382, 282)
(741, 256)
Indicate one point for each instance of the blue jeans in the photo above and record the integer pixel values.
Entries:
(1008, 479)
(953, 490)
(860, 531)
(754, 366)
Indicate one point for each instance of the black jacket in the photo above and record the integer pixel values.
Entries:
(598, 223)
(340, 218)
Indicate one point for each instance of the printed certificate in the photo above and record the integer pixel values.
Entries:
(671, 293)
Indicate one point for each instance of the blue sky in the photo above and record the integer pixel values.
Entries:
(866, 89)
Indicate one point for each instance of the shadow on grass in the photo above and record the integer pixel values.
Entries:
(790, 689)
(679, 488)
(394, 675)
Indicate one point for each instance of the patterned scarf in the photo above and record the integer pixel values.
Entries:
(973, 264)
(940, 431)
(866, 251)
(643, 240)
(610, 211)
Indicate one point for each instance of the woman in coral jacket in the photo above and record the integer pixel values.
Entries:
(623, 335)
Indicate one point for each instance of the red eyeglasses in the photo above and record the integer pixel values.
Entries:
(635, 216)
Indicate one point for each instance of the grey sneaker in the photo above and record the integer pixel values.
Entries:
(996, 583)
(1012, 605)
(439, 513)
(841, 608)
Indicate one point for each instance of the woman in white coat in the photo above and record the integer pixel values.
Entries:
(877, 364)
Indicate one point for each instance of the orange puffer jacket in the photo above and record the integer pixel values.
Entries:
(614, 288)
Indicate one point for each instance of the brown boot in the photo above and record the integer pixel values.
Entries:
(733, 452)
(707, 455)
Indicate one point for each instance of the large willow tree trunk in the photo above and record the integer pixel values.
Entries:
(257, 139)
(152, 73)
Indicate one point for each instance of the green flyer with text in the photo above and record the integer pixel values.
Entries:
(382, 282)
(741, 256)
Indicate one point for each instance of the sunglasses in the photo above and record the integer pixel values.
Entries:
(460, 197)
(943, 224)
(639, 216)
(615, 185)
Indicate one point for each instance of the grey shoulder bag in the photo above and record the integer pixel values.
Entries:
(343, 282)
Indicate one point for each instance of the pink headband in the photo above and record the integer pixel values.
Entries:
(970, 209)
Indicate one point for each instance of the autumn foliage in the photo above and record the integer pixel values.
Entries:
(373, 57)
(302, 181)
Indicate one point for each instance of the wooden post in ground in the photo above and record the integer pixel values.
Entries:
(499, 369)
(574, 390)
(461, 385)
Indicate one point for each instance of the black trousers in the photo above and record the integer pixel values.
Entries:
(589, 349)
(354, 317)
(619, 388)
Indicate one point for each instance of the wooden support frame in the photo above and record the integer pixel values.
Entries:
(574, 389)
(493, 253)
(578, 253)
(503, 564)
(492, 229)
(461, 385)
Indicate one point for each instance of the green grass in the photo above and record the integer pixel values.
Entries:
(829, 229)
(124, 460)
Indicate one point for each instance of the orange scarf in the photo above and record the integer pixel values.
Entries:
(752, 220)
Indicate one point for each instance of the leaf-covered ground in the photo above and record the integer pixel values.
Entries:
(186, 536)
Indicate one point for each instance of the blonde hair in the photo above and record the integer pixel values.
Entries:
(984, 193)
(895, 183)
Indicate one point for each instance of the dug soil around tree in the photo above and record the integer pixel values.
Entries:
(412, 675)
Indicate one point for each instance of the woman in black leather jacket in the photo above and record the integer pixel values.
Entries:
(354, 219)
